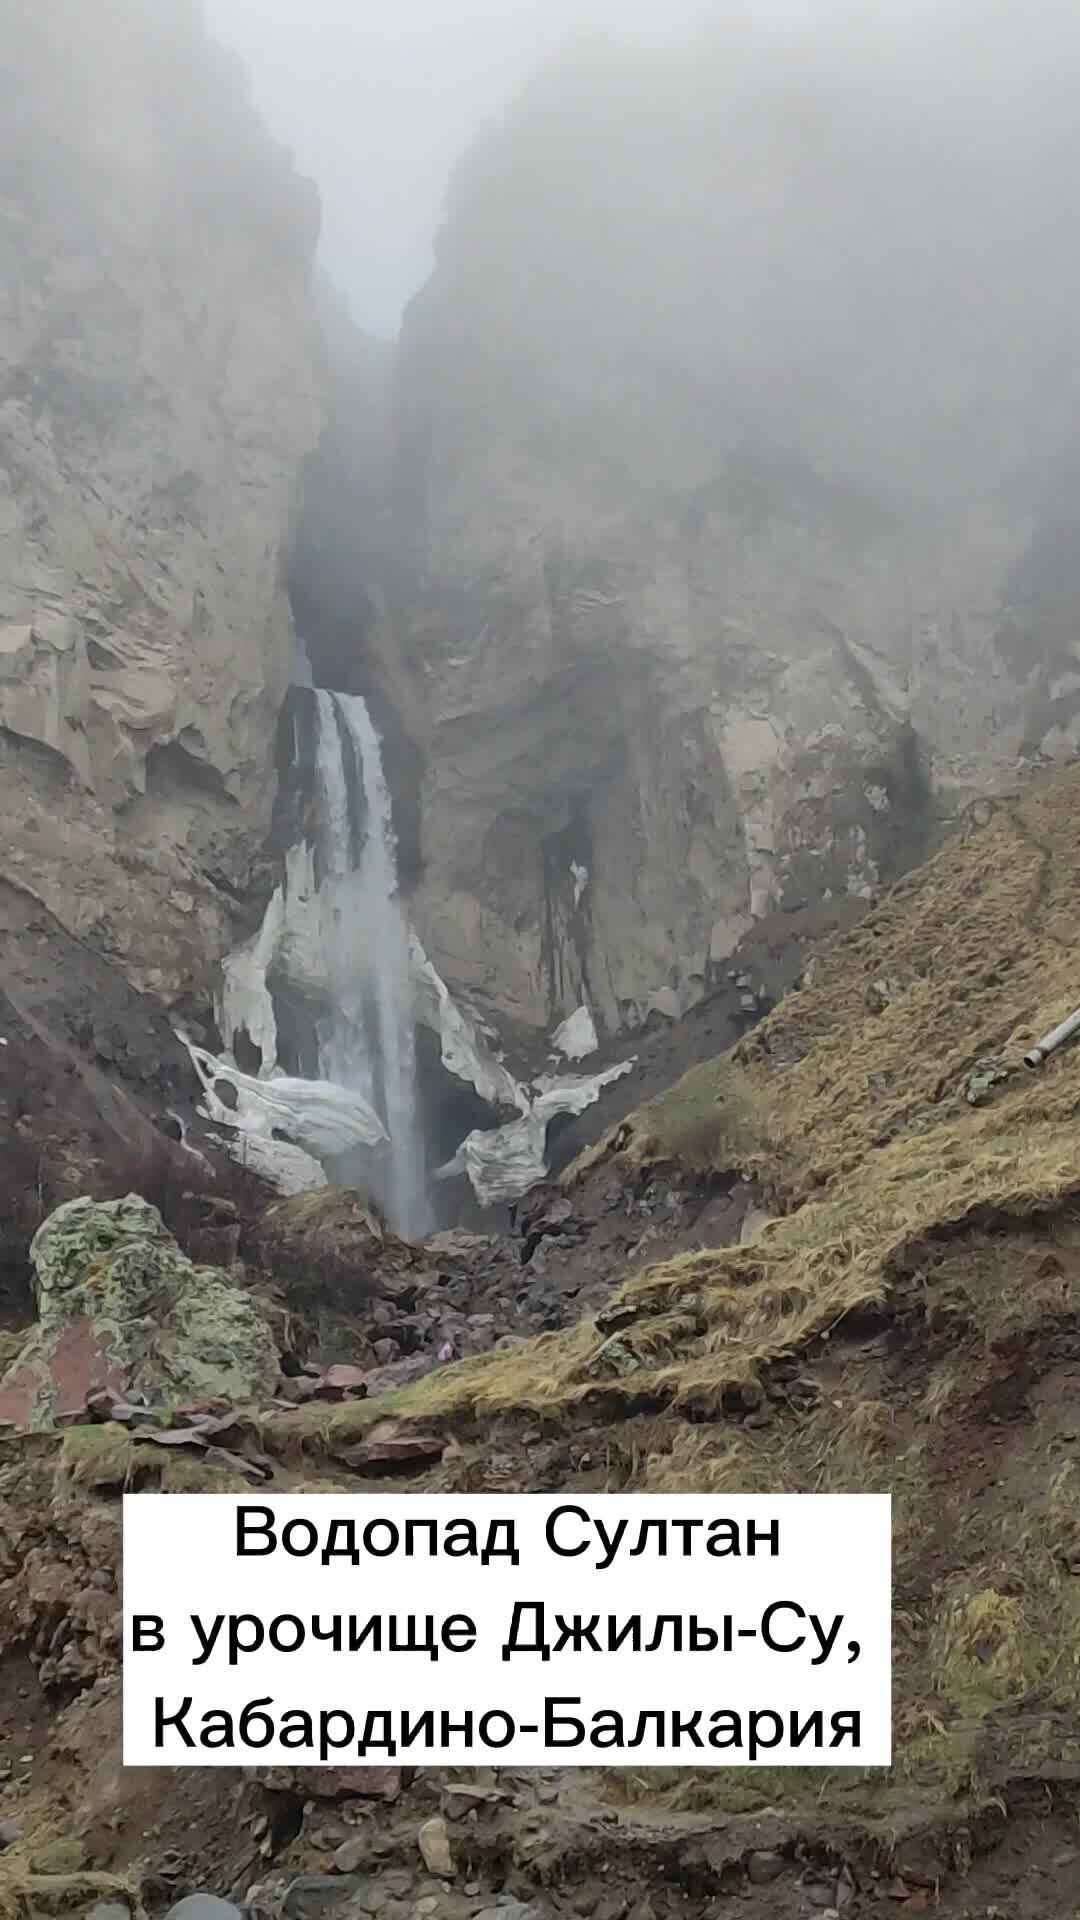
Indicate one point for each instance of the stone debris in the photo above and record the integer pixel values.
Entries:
(984, 1077)
(341, 1382)
(765, 1866)
(352, 1854)
(881, 994)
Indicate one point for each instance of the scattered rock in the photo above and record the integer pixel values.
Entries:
(433, 1840)
(310, 1897)
(10, 1832)
(351, 1854)
(110, 1910)
(333, 1783)
(263, 1899)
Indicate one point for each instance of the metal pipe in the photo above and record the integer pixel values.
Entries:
(1050, 1042)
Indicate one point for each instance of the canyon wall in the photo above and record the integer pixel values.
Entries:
(710, 539)
(730, 543)
(161, 382)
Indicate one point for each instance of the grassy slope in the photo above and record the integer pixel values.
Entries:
(854, 1121)
(952, 1225)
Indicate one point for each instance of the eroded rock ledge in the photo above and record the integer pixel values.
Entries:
(160, 385)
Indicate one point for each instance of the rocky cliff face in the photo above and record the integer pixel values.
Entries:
(733, 529)
(160, 386)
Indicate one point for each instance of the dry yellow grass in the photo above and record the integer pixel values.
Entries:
(857, 1123)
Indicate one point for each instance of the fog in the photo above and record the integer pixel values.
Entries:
(379, 97)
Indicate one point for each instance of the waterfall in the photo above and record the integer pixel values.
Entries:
(368, 1043)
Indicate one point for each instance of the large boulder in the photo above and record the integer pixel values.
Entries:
(331, 1252)
(120, 1307)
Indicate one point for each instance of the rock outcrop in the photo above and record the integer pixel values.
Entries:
(121, 1310)
(732, 544)
(160, 386)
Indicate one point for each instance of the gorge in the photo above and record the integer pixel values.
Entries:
(533, 855)
(662, 641)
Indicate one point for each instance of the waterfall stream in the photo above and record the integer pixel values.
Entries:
(368, 1042)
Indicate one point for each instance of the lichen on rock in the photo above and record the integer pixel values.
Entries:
(119, 1306)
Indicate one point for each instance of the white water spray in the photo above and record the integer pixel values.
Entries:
(369, 1042)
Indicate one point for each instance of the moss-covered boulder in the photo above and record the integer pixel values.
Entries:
(120, 1307)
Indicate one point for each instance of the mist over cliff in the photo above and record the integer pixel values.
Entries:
(734, 485)
(160, 385)
(706, 544)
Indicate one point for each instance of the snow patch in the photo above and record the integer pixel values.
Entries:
(576, 1038)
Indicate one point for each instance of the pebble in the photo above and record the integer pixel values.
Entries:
(10, 1831)
(203, 1906)
(351, 1854)
(764, 1866)
(109, 1910)
(372, 1898)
